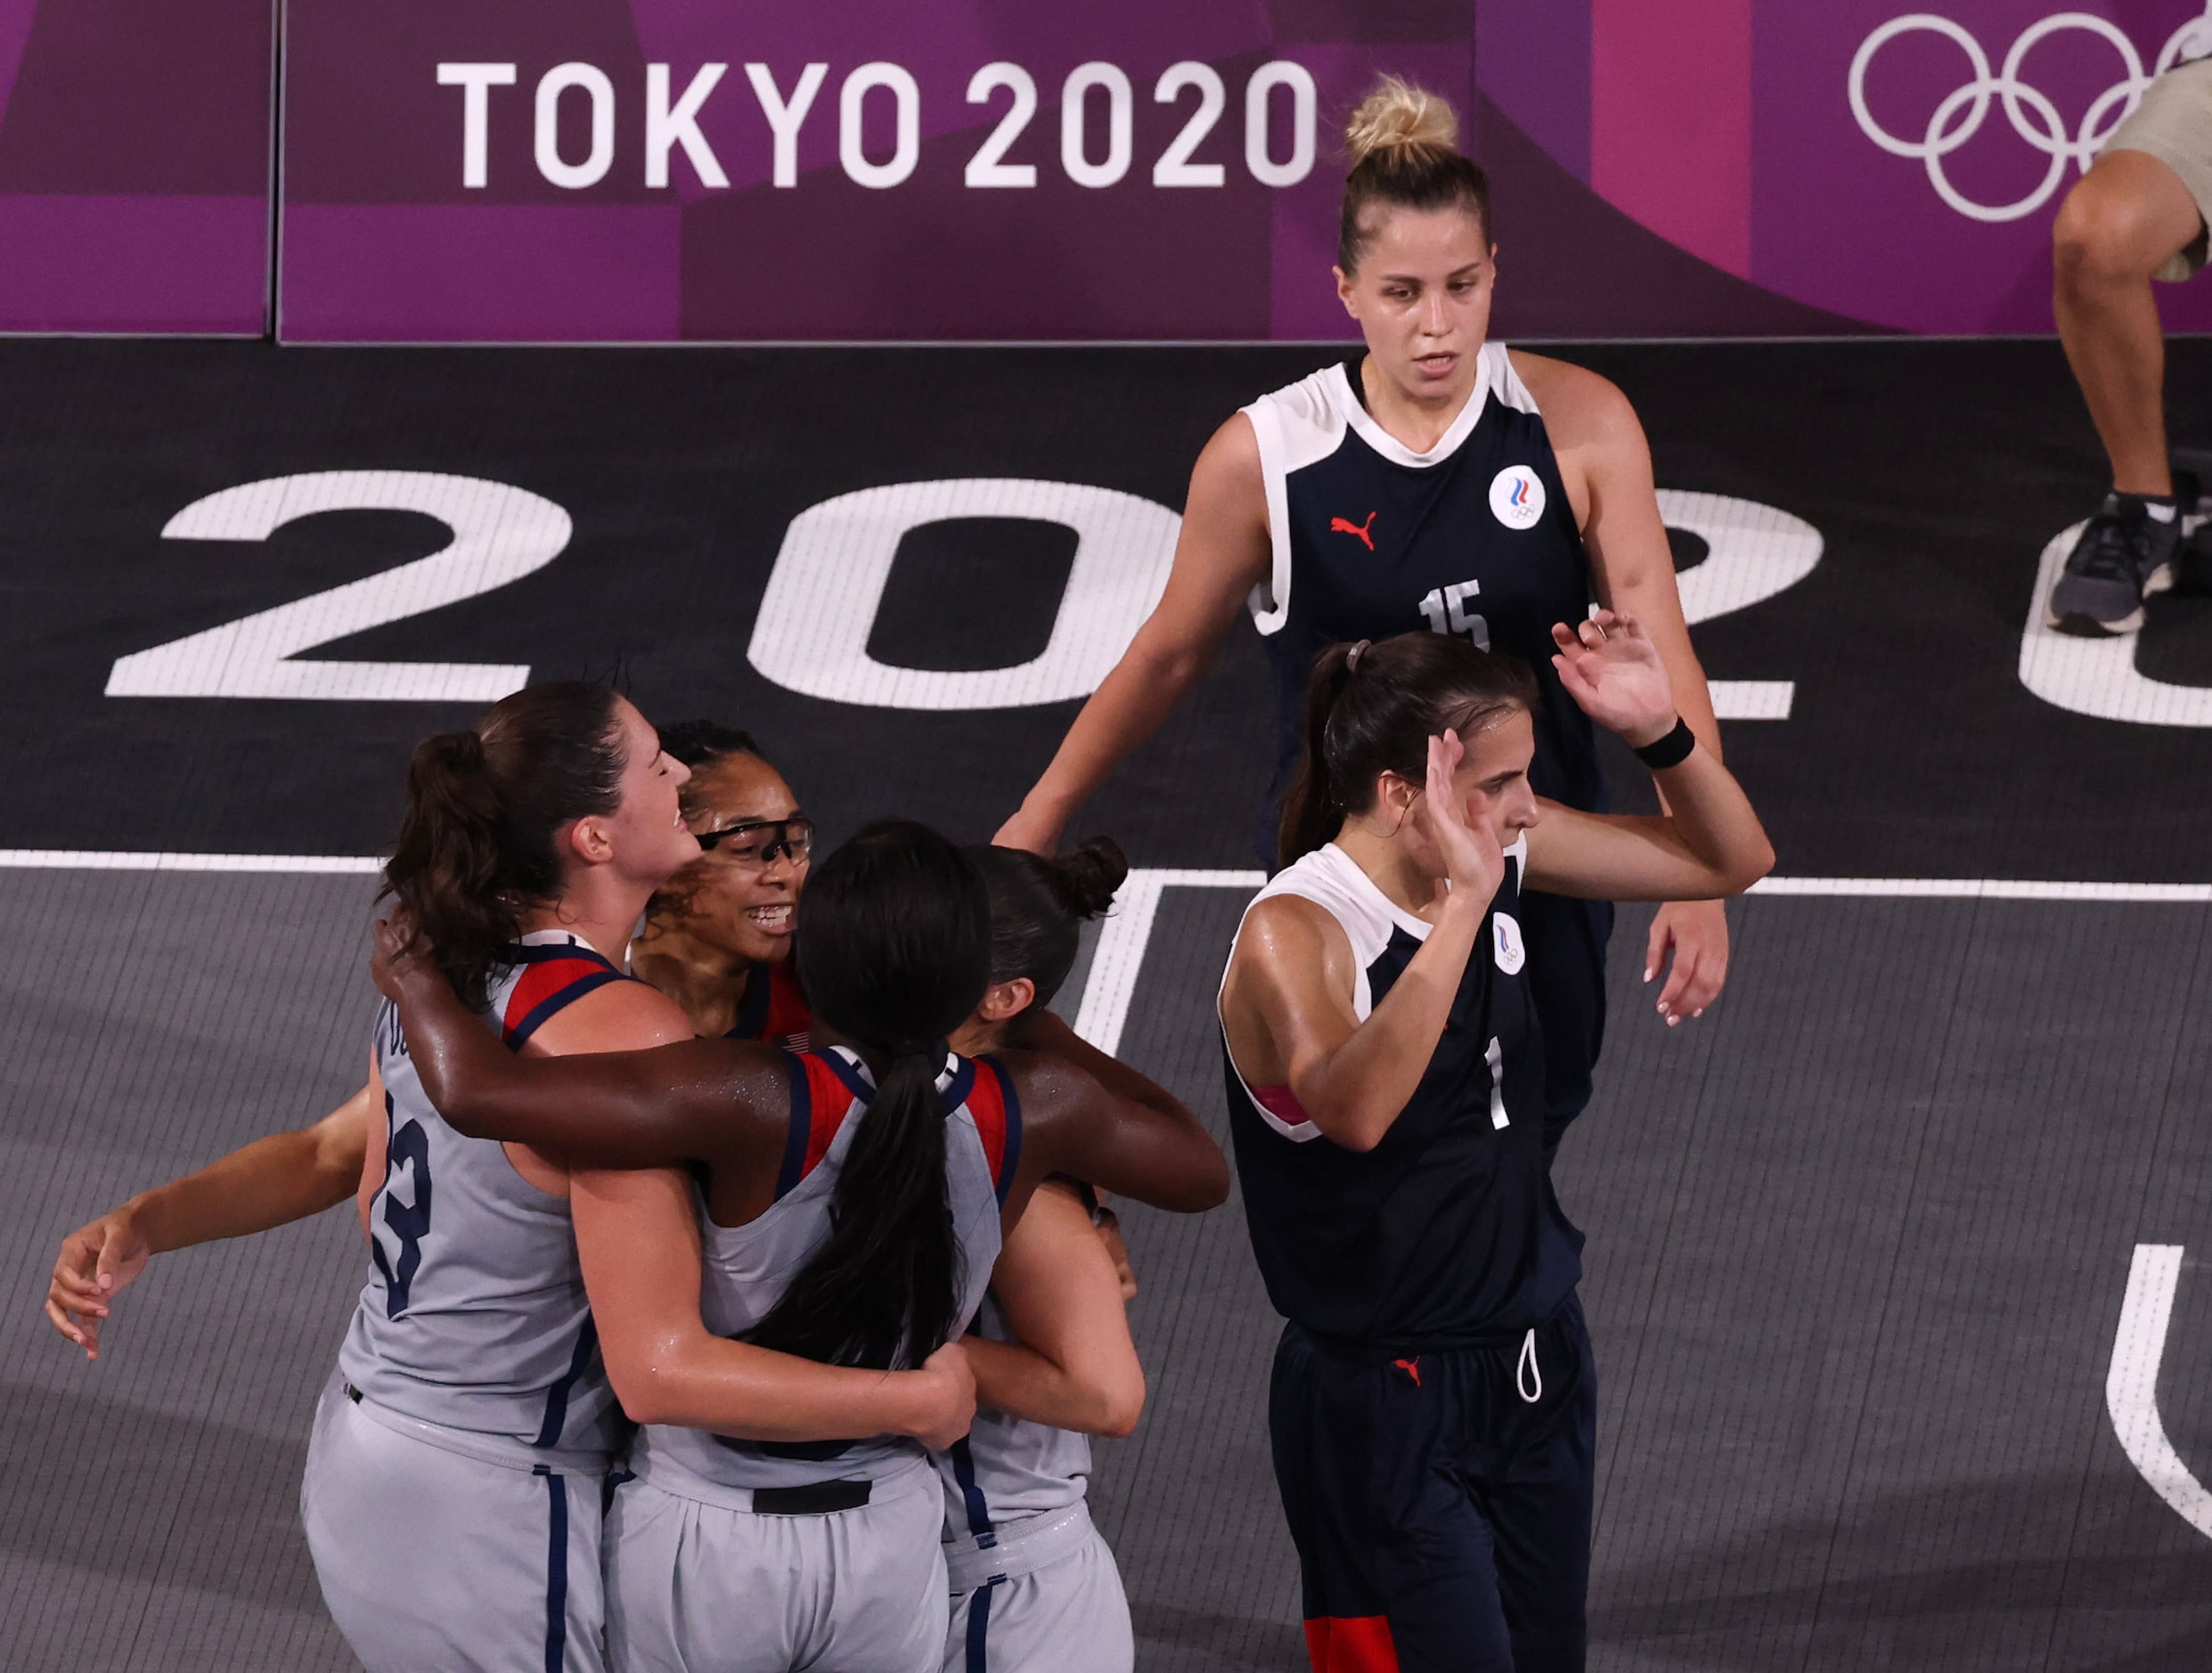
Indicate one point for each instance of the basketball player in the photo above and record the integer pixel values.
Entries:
(1034, 1584)
(1433, 1403)
(1441, 482)
(454, 1481)
(2139, 214)
(716, 939)
(850, 1205)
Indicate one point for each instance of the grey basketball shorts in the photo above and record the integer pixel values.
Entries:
(1048, 1598)
(2173, 124)
(695, 1587)
(430, 1557)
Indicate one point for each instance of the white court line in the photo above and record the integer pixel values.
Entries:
(1139, 896)
(1120, 955)
(1120, 951)
(95, 859)
(1752, 699)
(2131, 1389)
(1987, 889)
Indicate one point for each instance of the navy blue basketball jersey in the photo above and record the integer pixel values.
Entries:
(1473, 537)
(1447, 1234)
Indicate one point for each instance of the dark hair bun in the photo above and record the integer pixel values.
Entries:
(1086, 879)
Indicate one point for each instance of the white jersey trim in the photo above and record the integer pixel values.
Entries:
(1305, 423)
(1333, 881)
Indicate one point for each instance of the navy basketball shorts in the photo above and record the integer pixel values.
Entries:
(1442, 1504)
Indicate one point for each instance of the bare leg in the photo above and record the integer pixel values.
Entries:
(2124, 219)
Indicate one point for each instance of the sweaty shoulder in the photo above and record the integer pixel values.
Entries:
(621, 1016)
(1052, 1089)
(1286, 931)
(1580, 408)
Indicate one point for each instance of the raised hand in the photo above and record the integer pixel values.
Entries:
(398, 956)
(1615, 673)
(1472, 859)
(1029, 830)
(1109, 1225)
(97, 1262)
(953, 1411)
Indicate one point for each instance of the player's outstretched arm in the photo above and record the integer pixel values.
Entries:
(1709, 844)
(1221, 553)
(638, 1234)
(617, 1109)
(1074, 1366)
(1606, 462)
(1151, 1148)
(270, 1182)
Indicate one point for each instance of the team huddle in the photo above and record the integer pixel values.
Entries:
(740, 1287)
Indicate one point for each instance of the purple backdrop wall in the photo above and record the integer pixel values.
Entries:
(134, 140)
(1662, 166)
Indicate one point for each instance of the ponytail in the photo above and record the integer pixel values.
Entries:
(478, 841)
(1404, 147)
(886, 1289)
(1372, 708)
(1311, 813)
(1039, 904)
(894, 933)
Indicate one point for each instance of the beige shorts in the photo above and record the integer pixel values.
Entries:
(2173, 124)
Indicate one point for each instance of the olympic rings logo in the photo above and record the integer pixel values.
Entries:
(1959, 117)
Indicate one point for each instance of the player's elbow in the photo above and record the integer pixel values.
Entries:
(1168, 655)
(1209, 1184)
(1755, 860)
(1121, 1403)
(647, 1385)
(644, 1396)
(1356, 1124)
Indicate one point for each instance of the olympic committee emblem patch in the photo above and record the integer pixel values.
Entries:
(1516, 497)
(1512, 951)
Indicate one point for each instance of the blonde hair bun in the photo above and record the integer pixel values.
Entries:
(1400, 119)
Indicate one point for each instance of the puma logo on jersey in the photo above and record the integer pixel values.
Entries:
(1411, 1367)
(1344, 525)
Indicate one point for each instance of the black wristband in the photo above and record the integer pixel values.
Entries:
(1670, 751)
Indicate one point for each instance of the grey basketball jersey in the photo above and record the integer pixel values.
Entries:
(473, 1314)
(1008, 1469)
(747, 1268)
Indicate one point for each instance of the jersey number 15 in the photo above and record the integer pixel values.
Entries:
(1445, 611)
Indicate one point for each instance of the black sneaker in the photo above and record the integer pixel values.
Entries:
(2123, 557)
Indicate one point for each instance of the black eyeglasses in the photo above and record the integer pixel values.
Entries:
(758, 842)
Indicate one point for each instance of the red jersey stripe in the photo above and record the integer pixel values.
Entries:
(986, 1103)
(543, 980)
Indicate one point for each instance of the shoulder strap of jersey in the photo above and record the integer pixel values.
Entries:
(787, 1016)
(752, 1018)
(821, 1099)
(773, 1009)
(552, 979)
(996, 1109)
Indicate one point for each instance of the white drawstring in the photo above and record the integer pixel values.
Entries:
(1526, 1378)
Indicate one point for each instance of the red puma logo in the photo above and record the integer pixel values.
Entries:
(1342, 526)
(1411, 1367)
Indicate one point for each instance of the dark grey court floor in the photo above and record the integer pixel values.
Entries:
(1858, 1243)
